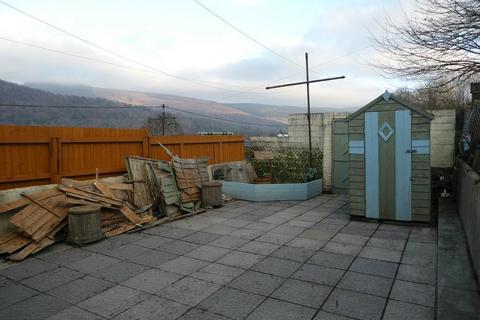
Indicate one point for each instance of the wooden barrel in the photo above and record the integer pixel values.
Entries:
(212, 194)
(84, 224)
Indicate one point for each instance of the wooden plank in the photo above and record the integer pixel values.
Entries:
(120, 186)
(23, 202)
(357, 212)
(103, 188)
(120, 229)
(357, 192)
(420, 211)
(421, 203)
(403, 186)
(12, 242)
(420, 196)
(371, 165)
(387, 179)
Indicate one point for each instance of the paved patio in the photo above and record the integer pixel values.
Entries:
(280, 260)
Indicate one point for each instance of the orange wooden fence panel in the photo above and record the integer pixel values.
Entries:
(40, 155)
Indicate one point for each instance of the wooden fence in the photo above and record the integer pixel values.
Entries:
(40, 155)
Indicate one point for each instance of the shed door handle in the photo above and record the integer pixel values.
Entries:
(411, 151)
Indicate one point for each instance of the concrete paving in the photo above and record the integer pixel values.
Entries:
(272, 260)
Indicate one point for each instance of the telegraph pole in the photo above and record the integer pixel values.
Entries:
(308, 101)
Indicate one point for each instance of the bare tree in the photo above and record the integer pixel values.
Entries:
(439, 43)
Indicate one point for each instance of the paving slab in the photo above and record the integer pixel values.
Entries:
(293, 253)
(217, 273)
(240, 259)
(229, 242)
(272, 309)
(259, 247)
(169, 232)
(120, 271)
(153, 258)
(301, 292)
(411, 292)
(198, 314)
(277, 266)
(304, 243)
(318, 274)
(350, 239)
(183, 265)
(393, 244)
(113, 301)
(256, 282)
(153, 308)
(414, 273)
(14, 293)
(232, 303)
(75, 313)
(152, 281)
(200, 237)
(365, 283)
(178, 247)
(189, 291)
(93, 263)
(127, 251)
(38, 307)
(67, 257)
(355, 305)
(81, 289)
(381, 254)
(342, 248)
(374, 267)
(26, 269)
(152, 242)
(207, 253)
(331, 260)
(397, 310)
(51, 279)
(322, 315)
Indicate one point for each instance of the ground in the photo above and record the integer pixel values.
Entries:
(270, 260)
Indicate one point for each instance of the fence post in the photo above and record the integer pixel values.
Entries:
(146, 147)
(55, 159)
(220, 147)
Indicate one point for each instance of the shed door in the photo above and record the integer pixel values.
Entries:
(388, 147)
(340, 156)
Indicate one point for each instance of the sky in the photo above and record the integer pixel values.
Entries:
(185, 50)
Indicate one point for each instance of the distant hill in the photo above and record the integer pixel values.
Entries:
(275, 112)
(128, 112)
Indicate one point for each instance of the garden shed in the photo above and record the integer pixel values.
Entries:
(389, 161)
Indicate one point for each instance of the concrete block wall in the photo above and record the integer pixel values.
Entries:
(468, 201)
(442, 139)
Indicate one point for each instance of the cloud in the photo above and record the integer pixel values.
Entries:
(182, 39)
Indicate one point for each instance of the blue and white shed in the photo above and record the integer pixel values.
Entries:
(389, 161)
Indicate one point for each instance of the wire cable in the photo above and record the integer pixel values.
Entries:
(140, 107)
(111, 52)
(247, 35)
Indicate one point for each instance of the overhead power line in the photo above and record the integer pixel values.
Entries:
(139, 107)
(247, 35)
(77, 56)
(111, 52)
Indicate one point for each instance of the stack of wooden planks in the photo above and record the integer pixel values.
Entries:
(173, 189)
(42, 218)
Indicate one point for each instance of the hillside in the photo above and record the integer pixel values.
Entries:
(124, 115)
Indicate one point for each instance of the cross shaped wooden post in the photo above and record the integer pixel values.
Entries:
(308, 102)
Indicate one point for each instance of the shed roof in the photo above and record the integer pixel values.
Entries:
(386, 97)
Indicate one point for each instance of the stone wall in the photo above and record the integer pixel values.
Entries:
(468, 200)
